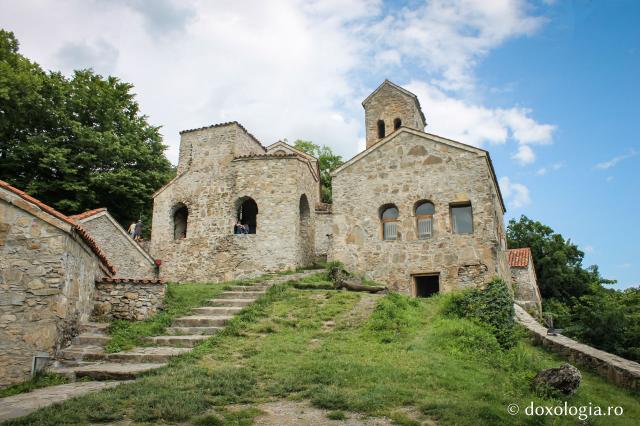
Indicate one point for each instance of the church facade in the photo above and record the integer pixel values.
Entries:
(417, 211)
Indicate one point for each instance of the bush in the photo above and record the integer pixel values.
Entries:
(492, 307)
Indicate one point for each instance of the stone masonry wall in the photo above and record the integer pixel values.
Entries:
(129, 258)
(212, 188)
(406, 169)
(613, 368)
(46, 288)
(388, 104)
(526, 292)
(324, 222)
(136, 301)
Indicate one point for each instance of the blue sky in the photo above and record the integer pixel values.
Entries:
(548, 87)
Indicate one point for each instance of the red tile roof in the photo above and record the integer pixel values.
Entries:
(87, 214)
(131, 281)
(519, 257)
(83, 233)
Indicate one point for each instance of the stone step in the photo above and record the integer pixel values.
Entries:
(217, 310)
(188, 341)
(107, 370)
(136, 355)
(231, 302)
(202, 321)
(257, 287)
(91, 339)
(94, 327)
(240, 294)
(190, 331)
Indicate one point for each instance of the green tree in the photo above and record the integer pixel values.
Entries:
(327, 161)
(76, 143)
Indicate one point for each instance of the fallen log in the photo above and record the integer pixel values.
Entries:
(344, 280)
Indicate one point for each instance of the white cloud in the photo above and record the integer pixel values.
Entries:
(553, 167)
(286, 68)
(615, 160)
(589, 249)
(516, 194)
(525, 155)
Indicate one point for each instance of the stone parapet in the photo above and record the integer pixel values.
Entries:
(615, 369)
(128, 299)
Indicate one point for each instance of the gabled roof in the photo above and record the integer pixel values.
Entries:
(74, 226)
(283, 144)
(228, 123)
(433, 138)
(386, 82)
(90, 215)
(519, 257)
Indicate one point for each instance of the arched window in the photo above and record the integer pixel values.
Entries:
(424, 219)
(389, 216)
(180, 219)
(246, 216)
(380, 129)
(397, 123)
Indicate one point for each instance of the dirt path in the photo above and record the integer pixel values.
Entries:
(290, 413)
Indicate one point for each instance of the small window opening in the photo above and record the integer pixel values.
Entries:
(246, 217)
(462, 219)
(390, 221)
(426, 285)
(424, 219)
(180, 219)
(397, 123)
(380, 129)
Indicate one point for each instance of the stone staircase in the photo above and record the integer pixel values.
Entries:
(86, 356)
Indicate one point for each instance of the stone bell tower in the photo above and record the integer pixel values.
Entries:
(387, 109)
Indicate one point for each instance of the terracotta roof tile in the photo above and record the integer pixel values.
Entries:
(83, 233)
(87, 214)
(265, 156)
(519, 257)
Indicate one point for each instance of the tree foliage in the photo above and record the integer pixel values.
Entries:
(576, 297)
(327, 161)
(76, 143)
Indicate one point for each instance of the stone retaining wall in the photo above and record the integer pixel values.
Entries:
(128, 299)
(615, 369)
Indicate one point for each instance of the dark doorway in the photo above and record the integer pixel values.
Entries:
(427, 285)
(248, 214)
(180, 219)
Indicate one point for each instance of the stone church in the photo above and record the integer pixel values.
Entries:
(418, 211)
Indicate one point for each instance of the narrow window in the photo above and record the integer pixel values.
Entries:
(180, 219)
(389, 219)
(380, 129)
(426, 285)
(424, 219)
(462, 219)
(397, 123)
(246, 216)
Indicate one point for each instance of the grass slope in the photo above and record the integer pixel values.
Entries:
(327, 347)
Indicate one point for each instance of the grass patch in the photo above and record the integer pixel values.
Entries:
(319, 281)
(337, 415)
(38, 381)
(309, 345)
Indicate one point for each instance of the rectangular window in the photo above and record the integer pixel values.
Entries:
(425, 227)
(462, 219)
(390, 231)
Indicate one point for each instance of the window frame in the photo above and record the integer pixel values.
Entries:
(453, 206)
(383, 222)
(423, 216)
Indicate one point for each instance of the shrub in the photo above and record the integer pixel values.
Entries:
(492, 307)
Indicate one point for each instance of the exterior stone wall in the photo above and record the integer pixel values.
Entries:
(128, 299)
(386, 104)
(615, 369)
(130, 260)
(47, 277)
(324, 223)
(526, 292)
(226, 165)
(409, 167)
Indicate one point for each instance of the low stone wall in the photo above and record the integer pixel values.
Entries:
(128, 299)
(615, 369)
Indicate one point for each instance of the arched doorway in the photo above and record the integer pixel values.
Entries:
(305, 232)
(247, 214)
(180, 218)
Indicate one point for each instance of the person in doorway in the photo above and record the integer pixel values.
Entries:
(137, 232)
(132, 229)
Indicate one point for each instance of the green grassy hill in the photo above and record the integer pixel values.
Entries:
(345, 352)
